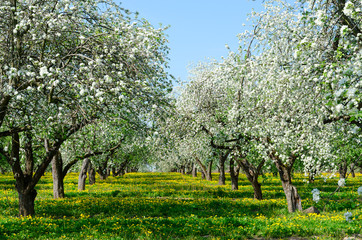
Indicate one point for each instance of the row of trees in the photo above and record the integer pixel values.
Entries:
(85, 81)
(78, 79)
(289, 99)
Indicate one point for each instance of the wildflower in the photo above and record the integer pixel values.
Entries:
(359, 190)
(348, 216)
(341, 182)
(316, 194)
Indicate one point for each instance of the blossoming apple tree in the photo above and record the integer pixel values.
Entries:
(64, 65)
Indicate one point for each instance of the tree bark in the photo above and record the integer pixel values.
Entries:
(209, 171)
(343, 169)
(222, 177)
(182, 170)
(103, 169)
(26, 202)
(83, 175)
(293, 199)
(203, 176)
(205, 172)
(252, 173)
(194, 170)
(57, 173)
(234, 175)
(92, 174)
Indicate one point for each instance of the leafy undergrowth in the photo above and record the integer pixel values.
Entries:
(171, 205)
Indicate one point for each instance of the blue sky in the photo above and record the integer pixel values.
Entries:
(199, 29)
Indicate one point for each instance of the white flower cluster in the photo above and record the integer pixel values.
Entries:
(348, 216)
(348, 8)
(316, 194)
(320, 17)
(359, 190)
(341, 182)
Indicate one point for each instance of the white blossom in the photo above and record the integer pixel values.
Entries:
(359, 190)
(348, 8)
(341, 182)
(316, 194)
(348, 216)
(43, 71)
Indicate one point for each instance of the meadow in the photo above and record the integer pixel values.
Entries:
(172, 205)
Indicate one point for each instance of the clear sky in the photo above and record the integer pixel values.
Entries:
(199, 29)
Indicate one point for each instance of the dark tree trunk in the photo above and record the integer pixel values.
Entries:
(203, 176)
(103, 169)
(222, 177)
(102, 173)
(122, 168)
(92, 174)
(353, 173)
(182, 170)
(209, 171)
(194, 170)
(293, 199)
(26, 202)
(83, 175)
(205, 172)
(57, 173)
(343, 169)
(311, 176)
(257, 190)
(252, 174)
(234, 175)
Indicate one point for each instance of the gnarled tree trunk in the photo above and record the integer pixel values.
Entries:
(234, 175)
(209, 171)
(194, 170)
(343, 169)
(57, 173)
(26, 202)
(92, 174)
(83, 175)
(293, 199)
(205, 172)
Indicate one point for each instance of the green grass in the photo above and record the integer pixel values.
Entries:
(171, 205)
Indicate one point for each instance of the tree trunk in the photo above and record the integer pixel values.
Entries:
(234, 175)
(194, 170)
(205, 172)
(222, 159)
(257, 189)
(92, 174)
(108, 171)
(209, 170)
(26, 202)
(57, 173)
(343, 169)
(182, 170)
(293, 199)
(83, 175)
(102, 175)
(2, 170)
(203, 176)
(311, 176)
(252, 174)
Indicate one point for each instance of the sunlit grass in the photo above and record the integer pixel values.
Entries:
(171, 205)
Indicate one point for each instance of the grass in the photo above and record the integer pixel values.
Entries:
(171, 205)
